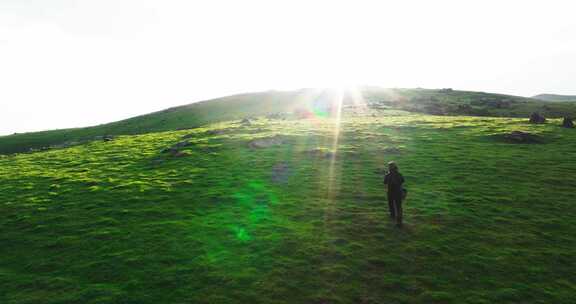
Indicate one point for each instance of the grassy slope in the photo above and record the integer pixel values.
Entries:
(245, 105)
(188, 116)
(450, 102)
(117, 222)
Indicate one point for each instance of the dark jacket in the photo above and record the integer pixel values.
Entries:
(394, 180)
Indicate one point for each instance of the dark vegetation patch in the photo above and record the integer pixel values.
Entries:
(519, 137)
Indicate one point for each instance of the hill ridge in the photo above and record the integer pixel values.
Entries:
(244, 105)
(555, 97)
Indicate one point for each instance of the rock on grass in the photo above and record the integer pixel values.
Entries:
(266, 142)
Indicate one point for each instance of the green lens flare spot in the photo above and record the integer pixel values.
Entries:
(241, 234)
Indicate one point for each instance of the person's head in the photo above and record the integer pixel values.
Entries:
(392, 166)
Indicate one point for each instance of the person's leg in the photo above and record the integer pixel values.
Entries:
(398, 204)
(391, 207)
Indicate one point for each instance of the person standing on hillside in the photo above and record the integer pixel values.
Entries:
(394, 181)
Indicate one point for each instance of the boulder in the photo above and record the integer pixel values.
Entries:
(104, 137)
(266, 142)
(215, 132)
(320, 153)
(169, 150)
(182, 144)
(520, 137)
(536, 118)
(175, 148)
(179, 154)
(567, 122)
(392, 150)
(280, 173)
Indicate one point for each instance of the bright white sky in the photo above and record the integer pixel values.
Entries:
(66, 63)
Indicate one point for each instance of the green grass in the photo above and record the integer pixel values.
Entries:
(439, 102)
(120, 222)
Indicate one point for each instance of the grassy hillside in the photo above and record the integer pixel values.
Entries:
(555, 97)
(451, 102)
(301, 221)
(183, 117)
(437, 102)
